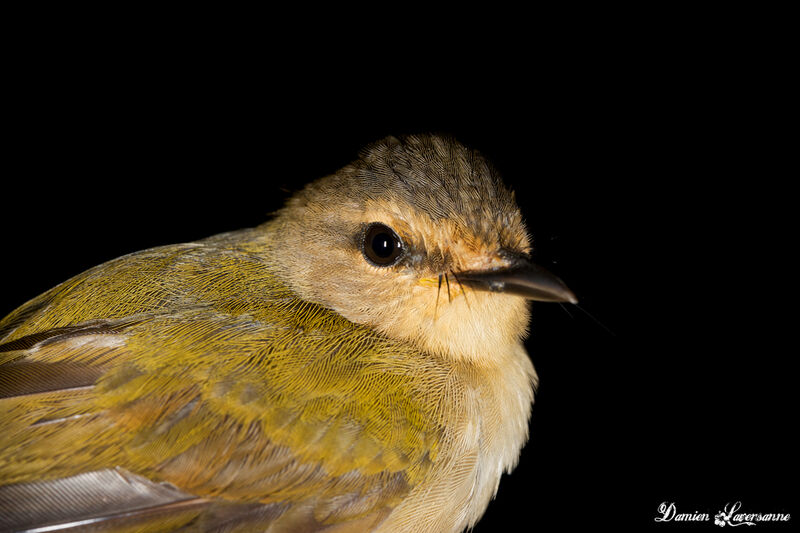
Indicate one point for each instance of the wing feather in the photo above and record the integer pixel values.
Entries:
(92, 498)
(209, 375)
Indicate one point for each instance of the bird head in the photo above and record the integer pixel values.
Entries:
(420, 240)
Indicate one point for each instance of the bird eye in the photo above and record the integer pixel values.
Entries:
(381, 245)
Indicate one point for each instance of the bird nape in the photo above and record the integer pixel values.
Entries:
(353, 364)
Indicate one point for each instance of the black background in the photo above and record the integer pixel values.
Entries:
(650, 172)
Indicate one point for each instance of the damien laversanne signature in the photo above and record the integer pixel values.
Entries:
(729, 516)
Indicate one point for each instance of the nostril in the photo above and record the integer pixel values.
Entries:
(512, 255)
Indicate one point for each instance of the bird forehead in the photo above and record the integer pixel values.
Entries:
(439, 195)
(434, 174)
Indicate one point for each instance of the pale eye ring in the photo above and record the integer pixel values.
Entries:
(380, 245)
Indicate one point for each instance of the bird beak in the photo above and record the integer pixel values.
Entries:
(520, 277)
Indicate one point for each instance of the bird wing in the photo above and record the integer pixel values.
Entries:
(187, 398)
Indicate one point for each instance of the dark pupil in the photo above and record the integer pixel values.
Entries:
(383, 244)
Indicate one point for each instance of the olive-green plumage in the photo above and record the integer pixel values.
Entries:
(224, 383)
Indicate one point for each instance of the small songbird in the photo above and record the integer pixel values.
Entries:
(353, 364)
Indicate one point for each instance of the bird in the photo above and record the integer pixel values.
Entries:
(354, 363)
